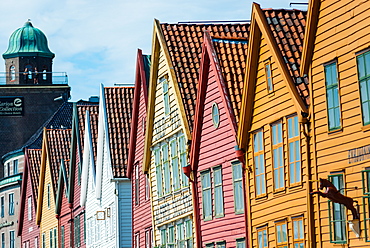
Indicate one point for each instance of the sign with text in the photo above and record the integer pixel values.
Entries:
(11, 105)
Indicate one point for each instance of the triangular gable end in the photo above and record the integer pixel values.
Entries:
(40, 194)
(62, 183)
(140, 88)
(158, 43)
(25, 179)
(260, 27)
(209, 59)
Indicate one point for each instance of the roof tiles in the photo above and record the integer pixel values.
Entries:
(184, 42)
(94, 114)
(119, 110)
(34, 161)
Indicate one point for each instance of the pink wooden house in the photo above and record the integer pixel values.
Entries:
(218, 182)
(141, 210)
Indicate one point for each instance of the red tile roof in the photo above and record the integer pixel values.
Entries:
(184, 42)
(287, 27)
(94, 114)
(119, 110)
(232, 54)
(34, 161)
(59, 142)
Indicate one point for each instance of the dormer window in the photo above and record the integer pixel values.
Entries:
(270, 86)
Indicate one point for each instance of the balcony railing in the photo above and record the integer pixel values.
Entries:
(29, 78)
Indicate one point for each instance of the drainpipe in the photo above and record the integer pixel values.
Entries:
(194, 188)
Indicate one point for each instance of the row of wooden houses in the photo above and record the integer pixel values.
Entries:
(229, 130)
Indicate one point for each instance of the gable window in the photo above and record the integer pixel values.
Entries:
(15, 166)
(337, 215)
(332, 96)
(11, 204)
(278, 156)
(218, 192)
(166, 169)
(137, 184)
(363, 68)
(294, 151)
(29, 207)
(237, 172)
(206, 194)
(259, 163)
(147, 193)
(183, 160)
(48, 195)
(270, 86)
(166, 96)
(215, 115)
(175, 164)
(281, 235)
(158, 170)
(298, 232)
(262, 240)
(366, 201)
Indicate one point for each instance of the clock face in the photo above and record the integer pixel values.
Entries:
(100, 215)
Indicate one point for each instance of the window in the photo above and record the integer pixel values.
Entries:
(259, 163)
(294, 151)
(171, 237)
(37, 242)
(210, 245)
(270, 86)
(137, 240)
(189, 233)
(166, 96)
(51, 238)
(48, 193)
(363, 67)
(332, 96)
(175, 164)
(262, 237)
(12, 239)
(206, 194)
(2, 207)
(180, 235)
(218, 193)
(2, 240)
(183, 160)
(215, 115)
(337, 215)
(137, 200)
(366, 201)
(240, 243)
(29, 209)
(163, 238)
(281, 235)
(11, 204)
(44, 77)
(298, 233)
(43, 240)
(158, 169)
(149, 237)
(77, 231)
(15, 166)
(147, 192)
(12, 73)
(237, 171)
(166, 169)
(62, 242)
(55, 238)
(278, 155)
(8, 165)
(221, 244)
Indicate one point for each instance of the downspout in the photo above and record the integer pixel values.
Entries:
(198, 235)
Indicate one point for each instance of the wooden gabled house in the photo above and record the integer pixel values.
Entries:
(141, 210)
(273, 131)
(336, 58)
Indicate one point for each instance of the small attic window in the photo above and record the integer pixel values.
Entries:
(270, 86)
(215, 115)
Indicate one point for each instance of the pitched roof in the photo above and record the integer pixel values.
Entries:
(94, 114)
(288, 28)
(34, 161)
(184, 42)
(232, 54)
(118, 102)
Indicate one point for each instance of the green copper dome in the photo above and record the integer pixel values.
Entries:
(28, 41)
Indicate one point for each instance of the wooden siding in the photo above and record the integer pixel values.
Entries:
(217, 149)
(142, 214)
(342, 31)
(269, 108)
(124, 214)
(177, 205)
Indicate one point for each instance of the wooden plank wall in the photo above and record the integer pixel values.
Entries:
(343, 30)
(269, 108)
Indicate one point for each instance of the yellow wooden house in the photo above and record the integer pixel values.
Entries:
(336, 58)
(273, 131)
(55, 147)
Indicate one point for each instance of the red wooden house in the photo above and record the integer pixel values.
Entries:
(218, 182)
(27, 227)
(141, 210)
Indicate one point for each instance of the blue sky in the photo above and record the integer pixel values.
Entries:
(96, 41)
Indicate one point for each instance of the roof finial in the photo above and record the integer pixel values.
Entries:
(28, 23)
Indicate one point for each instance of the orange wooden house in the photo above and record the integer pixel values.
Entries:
(336, 58)
(272, 131)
